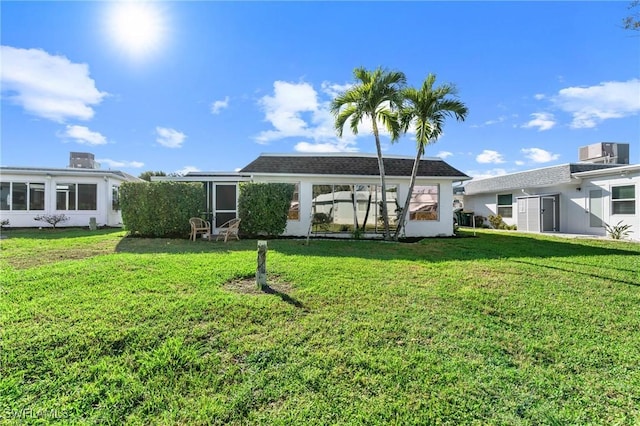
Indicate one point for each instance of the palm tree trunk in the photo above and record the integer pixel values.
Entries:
(354, 204)
(412, 183)
(366, 214)
(385, 215)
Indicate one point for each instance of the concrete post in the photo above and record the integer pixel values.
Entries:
(261, 272)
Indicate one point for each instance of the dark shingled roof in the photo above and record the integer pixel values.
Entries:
(547, 176)
(349, 165)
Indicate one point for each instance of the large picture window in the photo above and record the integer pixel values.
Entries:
(623, 199)
(424, 203)
(21, 196)
(343, 208)
(76, 196)
(505, 205)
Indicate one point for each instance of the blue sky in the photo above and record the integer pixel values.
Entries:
(211, 85)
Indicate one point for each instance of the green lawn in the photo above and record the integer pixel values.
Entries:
(504, 328)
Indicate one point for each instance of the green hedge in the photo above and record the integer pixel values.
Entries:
(160, 209)
(263, 207)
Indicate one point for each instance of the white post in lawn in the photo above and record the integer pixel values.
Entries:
(261, 272)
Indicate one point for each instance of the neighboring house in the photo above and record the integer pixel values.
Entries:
(577, 198)
(336, 191)
(79, 193)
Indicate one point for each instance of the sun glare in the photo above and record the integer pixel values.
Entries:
(136, 27)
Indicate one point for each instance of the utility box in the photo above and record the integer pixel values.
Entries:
(605, 153)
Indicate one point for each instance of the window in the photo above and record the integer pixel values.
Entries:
(23, 196)
(87, 196)
(115, 198)
(19, 196)
(424, 203)
(76, 196)
(66, 196)
(5, 196)
(623, 199)
(505, 205)
(294, 208)
(36, 196)
(340, 208)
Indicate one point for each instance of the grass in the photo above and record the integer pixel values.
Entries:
(505, 328)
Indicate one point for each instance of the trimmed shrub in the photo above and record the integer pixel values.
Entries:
(263, 207)
(160, 209)
(496, 222)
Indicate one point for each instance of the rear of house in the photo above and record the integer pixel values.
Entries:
(335, 194)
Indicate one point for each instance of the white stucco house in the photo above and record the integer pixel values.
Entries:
(334, 192)
(78, 193)
(576, 198)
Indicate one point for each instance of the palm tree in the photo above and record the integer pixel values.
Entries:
(376, 95)
(427, 109)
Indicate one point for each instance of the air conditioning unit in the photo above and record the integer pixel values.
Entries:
(605, 153)
(82, 160)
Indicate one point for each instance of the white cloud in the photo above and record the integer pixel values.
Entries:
(538, 155)
(295, 110)
(590, 106)
(482, 174)
(218, 106)
(284, 110)
(519, 163)
(186, 169)
(444, 154)
(539, 96)
(500, 119)
(488, 156)
(116, 164)
(333, 89)
(48, 86)
(169, 137)
(541, 120)
(82, 135)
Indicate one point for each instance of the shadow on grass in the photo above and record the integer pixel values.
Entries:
(600, 275)
(284, 296)
(486, 246)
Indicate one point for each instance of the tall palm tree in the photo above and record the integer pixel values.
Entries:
(427, 109)
(376, 95)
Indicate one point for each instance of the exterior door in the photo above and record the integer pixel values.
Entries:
(225, 204)
(548, 213)
(595, 210)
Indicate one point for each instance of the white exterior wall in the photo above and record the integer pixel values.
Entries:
(414, 228)
(104, 214)
(574, 203)
(606, 183)
(483, 205)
